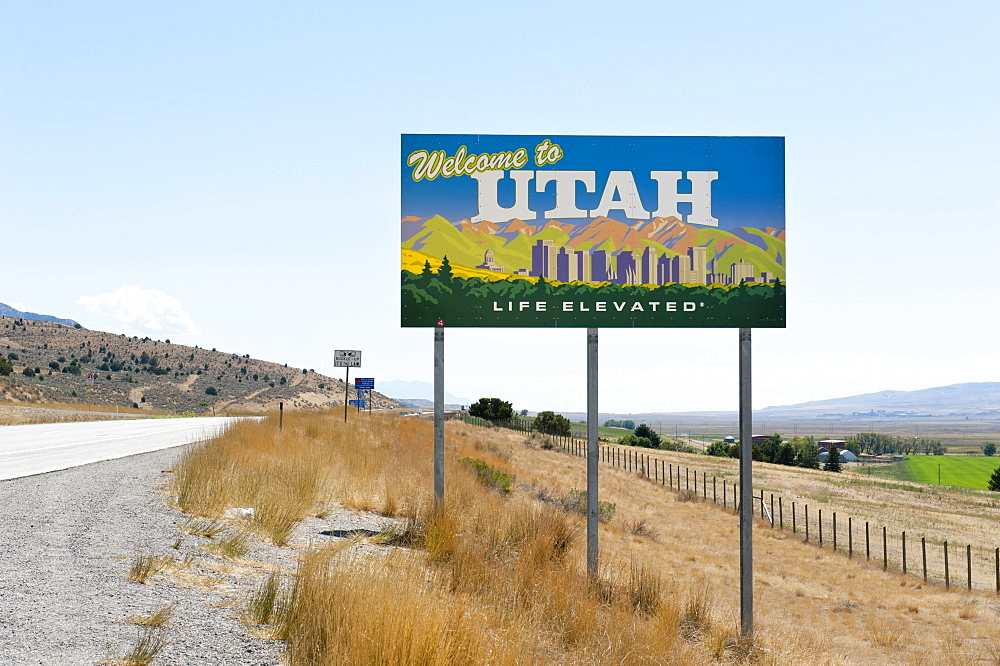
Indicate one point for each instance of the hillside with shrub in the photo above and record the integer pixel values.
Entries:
(50, 362)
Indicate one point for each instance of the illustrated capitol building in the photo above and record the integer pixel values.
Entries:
(565, 265)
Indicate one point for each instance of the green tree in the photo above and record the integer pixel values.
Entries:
(644, 431)
(6, 367)
(28, 372)
(491, 409)
(994, 483)
(211, 390)
(632, 439)
(551, 423)
(989, 448)
(832, 461)
(719, 448)
(808, 456)
(786, 454)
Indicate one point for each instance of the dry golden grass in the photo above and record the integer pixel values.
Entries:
(502, 580)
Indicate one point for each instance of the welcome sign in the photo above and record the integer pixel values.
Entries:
(592, 231)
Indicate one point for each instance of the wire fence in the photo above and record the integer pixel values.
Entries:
(952, 564)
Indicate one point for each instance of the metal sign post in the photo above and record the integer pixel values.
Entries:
(364, 387)
(746, 490)
(592, 452)
(439, 416)
(346, 358)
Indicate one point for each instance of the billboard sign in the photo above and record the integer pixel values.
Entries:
(592, 231)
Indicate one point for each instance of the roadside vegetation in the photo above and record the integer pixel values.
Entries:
(500, 578)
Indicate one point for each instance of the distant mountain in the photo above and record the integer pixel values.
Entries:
(7, 311)
(465, 242)
(52, 363)
(979, 398)
(416, 391)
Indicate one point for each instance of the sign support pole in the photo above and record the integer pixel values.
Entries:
(746, 490)
(439, 416)
(347, 378)
(592, 453)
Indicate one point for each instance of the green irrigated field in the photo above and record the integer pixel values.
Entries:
(962, 471)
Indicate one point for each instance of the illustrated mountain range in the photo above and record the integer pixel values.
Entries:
(466, 242)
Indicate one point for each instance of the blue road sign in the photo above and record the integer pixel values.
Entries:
(366, 383)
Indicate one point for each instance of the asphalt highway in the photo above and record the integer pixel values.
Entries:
(26, 450)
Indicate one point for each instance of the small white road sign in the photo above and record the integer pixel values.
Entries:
(347, 358)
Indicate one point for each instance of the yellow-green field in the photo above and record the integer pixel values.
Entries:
(961, 471)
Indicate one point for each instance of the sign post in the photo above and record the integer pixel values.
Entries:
(346, 358)
(439, 416)
(90, 389)
(746, 489)
(363, 386)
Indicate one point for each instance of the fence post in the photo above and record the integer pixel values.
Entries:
(850, 537)
(687, 478)
(671, 476)
(997, 555)
(968, 562)
(704, 486)
(807, 523)
(781, 514)
(819, 520)
(885, 550)
(794, 526)
(868, 545)
(715, 491)
(834, 530)
(736, 504)
(904, 551)
(663, 477)
(772, 510)
(725, 496)
(923, 550)
(947, 574)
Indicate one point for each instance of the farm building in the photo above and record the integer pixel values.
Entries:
(827, 444)
(845, 456)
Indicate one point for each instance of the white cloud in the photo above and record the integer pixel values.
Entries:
(147, 310)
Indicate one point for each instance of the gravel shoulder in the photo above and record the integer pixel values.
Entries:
(70, 538)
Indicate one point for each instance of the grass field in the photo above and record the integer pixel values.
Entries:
(961, 471)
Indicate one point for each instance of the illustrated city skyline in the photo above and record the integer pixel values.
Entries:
(627, 267)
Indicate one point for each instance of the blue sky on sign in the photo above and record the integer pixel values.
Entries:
(227, 174)
(748, 192)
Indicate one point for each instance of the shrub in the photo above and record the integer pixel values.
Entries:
(6, 367)
(488, 475)
(211, 390)
(576, 502)
(989, 448)
(28, 372)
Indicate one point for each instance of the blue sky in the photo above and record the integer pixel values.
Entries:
(227, 174)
